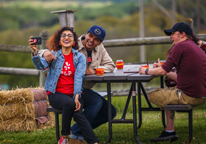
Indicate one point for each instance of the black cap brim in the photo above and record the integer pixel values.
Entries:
(169, 31)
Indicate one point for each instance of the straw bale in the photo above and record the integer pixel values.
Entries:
(22, 111)
(17, 110)
(16, 96)
(18, 125)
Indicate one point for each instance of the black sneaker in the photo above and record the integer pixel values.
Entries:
(165, 136)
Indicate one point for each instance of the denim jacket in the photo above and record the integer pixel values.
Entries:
(79, 61)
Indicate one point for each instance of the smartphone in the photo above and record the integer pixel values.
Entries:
(36, 40)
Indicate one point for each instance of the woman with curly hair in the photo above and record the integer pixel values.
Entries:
(64, 80)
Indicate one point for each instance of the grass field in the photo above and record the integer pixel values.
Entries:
(123, 133)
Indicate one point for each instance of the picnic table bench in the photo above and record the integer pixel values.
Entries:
(184, 108)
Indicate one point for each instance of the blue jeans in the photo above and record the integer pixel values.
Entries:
(95, 109)
(67, 105)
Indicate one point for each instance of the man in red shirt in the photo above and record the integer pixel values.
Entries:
(190, 63)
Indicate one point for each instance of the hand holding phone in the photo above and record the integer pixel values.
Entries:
(33, 42)
(36, 40)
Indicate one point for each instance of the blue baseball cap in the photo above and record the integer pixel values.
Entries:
(181, 27)
(98, 31)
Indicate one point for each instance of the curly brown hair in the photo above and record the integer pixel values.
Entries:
(53, 41)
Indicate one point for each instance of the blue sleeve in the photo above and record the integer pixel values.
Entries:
(39, 63)
(79, 74)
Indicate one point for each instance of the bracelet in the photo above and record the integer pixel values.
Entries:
(146, 71)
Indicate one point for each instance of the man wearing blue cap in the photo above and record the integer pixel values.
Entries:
(190, 63)
(95, 106)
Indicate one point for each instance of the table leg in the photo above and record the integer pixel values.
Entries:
(163, 119)
(139, 105)
(145, 95)
(162, 81)
(127, 104)
(109, 112)
(134, 112)
(163, 111)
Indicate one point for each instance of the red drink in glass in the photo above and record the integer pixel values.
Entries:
(100, 71)
(119, 64)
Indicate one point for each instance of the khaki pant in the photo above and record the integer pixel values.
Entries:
(162, 97)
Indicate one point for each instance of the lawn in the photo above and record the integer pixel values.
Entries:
(123, 133)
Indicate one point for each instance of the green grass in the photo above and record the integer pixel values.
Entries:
(123, 133)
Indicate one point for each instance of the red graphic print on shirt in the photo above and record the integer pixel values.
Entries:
(89, 59)
(66, 69)
(66, 79)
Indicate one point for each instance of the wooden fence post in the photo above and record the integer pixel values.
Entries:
(66, 17)
(189, 21)
(42, 76)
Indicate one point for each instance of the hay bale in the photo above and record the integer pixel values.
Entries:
(18, 125)
(20, 96)
(24, 110)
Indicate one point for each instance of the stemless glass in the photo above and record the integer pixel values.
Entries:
(100, 71)
(119, 64)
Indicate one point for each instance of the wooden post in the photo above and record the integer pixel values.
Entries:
(66, 17)
(42, 77)
(198, 16)
(141, 30)
(189, 21)
(173, 12)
